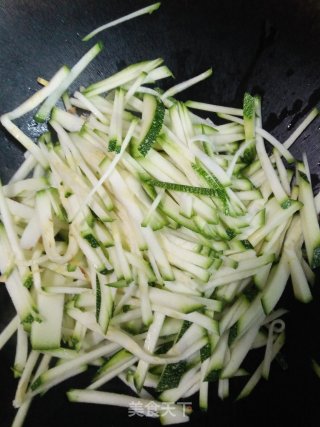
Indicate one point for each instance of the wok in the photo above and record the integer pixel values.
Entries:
(267, 47)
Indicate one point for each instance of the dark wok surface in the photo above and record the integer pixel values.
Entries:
(266, 47)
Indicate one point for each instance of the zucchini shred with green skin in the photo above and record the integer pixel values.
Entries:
(160, 256)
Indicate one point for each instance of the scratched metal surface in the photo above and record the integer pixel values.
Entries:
(266, 47)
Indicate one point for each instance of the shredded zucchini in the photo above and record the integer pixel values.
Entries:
(149, 242)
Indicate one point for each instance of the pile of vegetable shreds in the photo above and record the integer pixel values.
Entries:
(150, 243)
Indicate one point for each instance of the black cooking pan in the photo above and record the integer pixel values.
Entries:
(268, 47)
